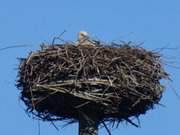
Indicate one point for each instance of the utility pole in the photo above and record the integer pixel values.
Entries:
(88, 126)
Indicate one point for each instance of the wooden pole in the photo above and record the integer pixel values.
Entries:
(88, 126)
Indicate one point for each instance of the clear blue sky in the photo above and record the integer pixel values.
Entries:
(155, 22)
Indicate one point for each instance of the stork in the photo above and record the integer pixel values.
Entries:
(84, 39)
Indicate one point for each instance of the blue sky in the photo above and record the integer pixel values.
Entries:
(155, 22)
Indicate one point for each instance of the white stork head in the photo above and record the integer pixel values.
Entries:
(82, 35)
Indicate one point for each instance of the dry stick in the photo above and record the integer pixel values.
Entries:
(83, 95)
(41, 100)
(81, 105)
(14, 46)
(174, 90)
(39, 128)
(59, 37)
(132, 123)
(104, 124)
(33, 104)
(54, 126)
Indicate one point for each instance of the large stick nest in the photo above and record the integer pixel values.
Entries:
(109, 82)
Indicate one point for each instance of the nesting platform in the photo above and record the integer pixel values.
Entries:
(111, 83)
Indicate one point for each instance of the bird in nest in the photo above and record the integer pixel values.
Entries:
(84, 39)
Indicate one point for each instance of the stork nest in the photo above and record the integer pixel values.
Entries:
(63, 81)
